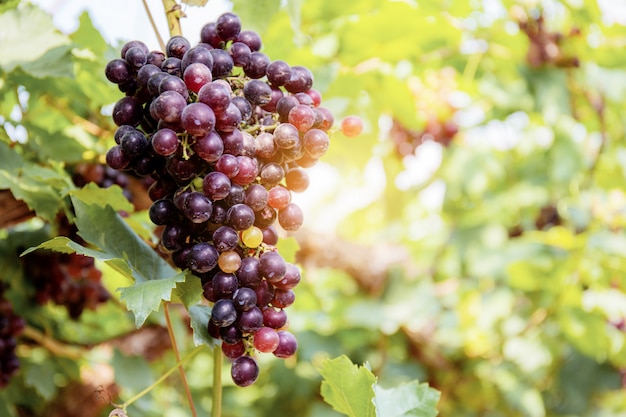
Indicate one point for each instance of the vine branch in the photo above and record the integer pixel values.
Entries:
(173, 13)
(183, 377)
(153, 24)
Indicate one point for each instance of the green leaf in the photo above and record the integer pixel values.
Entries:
(41, 377)
(256, 15)
(200, 315)
(409, 400)
(112, 196)
(347, 387)
(189, 291)
(104, 228)
(44, 49)
(146, 297)
(41, 188)
(288, 247)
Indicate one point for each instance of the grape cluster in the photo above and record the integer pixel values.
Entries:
(226, 134)
(67, 279)
(11, 326)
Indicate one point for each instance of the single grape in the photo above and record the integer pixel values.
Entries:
(133, 44)
(300, 80)
(202, 257)
(240, 217)
(225, 238)
(316, 143)
(172, 66)
(302, 117)
(272, 266)
(252, 237)
(216, 185)
(136, 57)
(270, 236)
(244, 298)
(351, 126)
(271, 174)
(257, 66)
(249, 274)
(197, 119)
(215, 95)
(265, 146)
(209, 147)
(291, 217)
(256, 196)
(250, 38)
(228, 165)
(127, 111)
(278, 72)
(290, 280)
(233, 142)
(287, 344)
(229, 119)
(222, 63)
(197, 55)
(274, 318)
(297, 180)
(223, 313)
(165, 142)
(208, 35)
(283, 298)
(235, 350)
(196, 75)
(240, 52)
(286, 136)
(231, 334)
(118, 71)
(197, 207)
(244, 371)
(249, 321)
(224, 284)
(257, 92)
(229, 261)
(266, 340)
(163, 212)
(177, 46)
(228, 26)
(169, 106)
(116, 159)
(248, 170)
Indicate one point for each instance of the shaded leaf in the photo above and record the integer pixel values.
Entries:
(146, 297)
(200, 316)
(408, 400)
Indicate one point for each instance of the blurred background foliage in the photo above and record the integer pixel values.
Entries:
(471, 238)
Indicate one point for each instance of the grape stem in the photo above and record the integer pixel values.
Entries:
(183, 377)
(216, 409)
(153, 24)
(162, 378)
(173, 13)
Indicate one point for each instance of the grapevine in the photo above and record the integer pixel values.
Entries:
(226, 134)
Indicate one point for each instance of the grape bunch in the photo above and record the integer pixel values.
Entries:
(226, 134)
(11, 325)
(68, 279)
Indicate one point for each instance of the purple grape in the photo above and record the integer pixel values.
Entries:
(222, 63)
(257, 66)
(248, 273)
(244, 298)
(118, 71)
(216, 185)
(250, 38)
(209, 147)
(169, 106)
(134, 143)
(287, 345)
(229, 119)
(249, 321)
(177, 46)
(163, 212)
(244, 371)
(274, 318)
(244, 106)
(256, 197)
(248, 170)
(236, 195)
(231, 335)
(240, 53)
(197, 119)
(215, 95)
(272, 266)
(136, 57)
(173, 83)
(240, 217)
(197, 54)
(133, 44)
(224, 285)
(228, 26)
(228, 165)
(165, 142)
(278, 72)
(197, 207)
(225, 238)
(224, 313)
(301, 80)
(291, 217)
(202, 257)
(116, 159)
(233, 143)
(127, 111)
(208, 34)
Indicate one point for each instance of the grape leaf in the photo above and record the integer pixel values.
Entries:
(104, 228)
(112, 196)
(39, 187)
(44, 49)
(409, 400)
(348, 388)
(200, 316)
(256, 15)
(288, 247)
(189, 292)
(145, 297)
